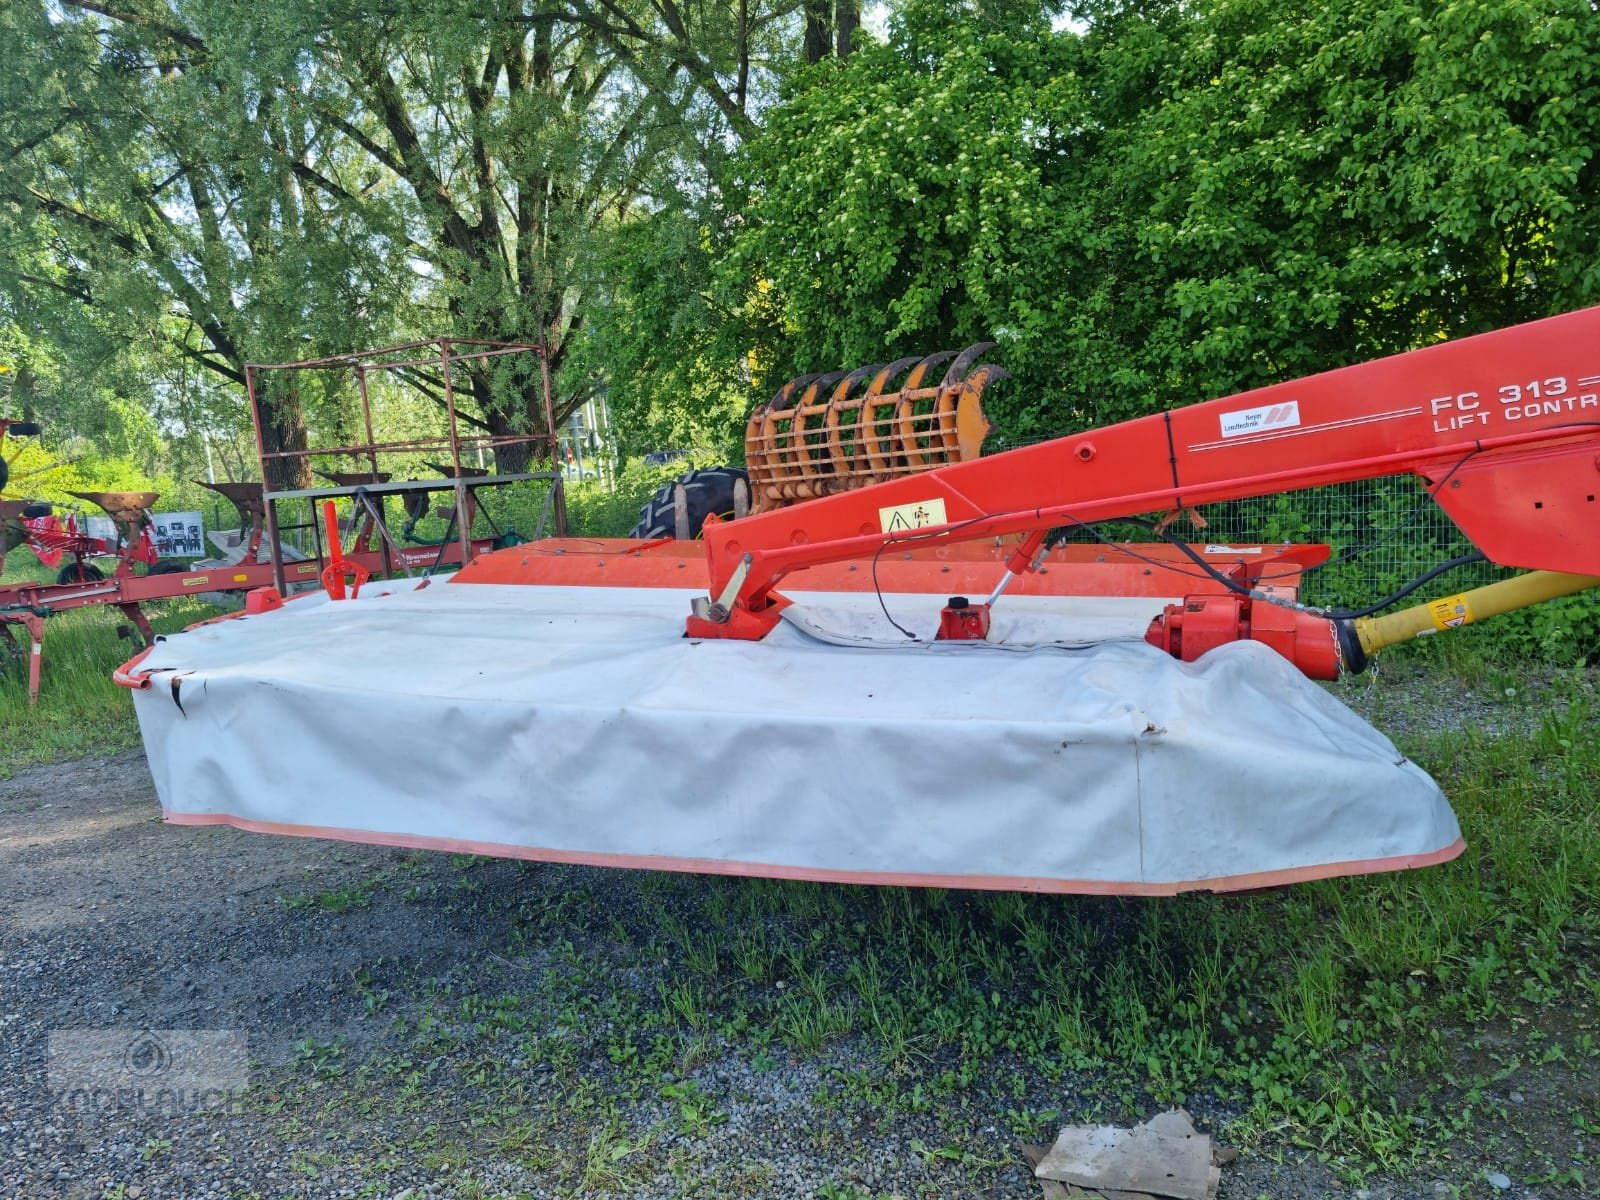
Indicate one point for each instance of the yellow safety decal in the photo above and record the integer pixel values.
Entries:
(241, 578)
(1451, 612)
(194, 579)
(900, 517)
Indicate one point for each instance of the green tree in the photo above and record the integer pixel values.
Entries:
(919, 195)
(668, 352)
(268, 182)
(1353, 180)
(148, 207)
(1176, 201)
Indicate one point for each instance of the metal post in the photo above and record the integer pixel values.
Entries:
(366, 418)
(463, 519)
(554, 443)
(450, 404)
(35, 627)
(382, 513)
(255, 418)
(279, 579)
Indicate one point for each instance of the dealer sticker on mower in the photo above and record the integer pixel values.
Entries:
(1261, 420)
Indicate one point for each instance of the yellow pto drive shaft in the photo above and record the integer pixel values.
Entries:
(1362, 637)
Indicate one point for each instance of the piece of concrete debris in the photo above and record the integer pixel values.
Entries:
(1164, 1158)
(1055, 1190)
(1051, 1188)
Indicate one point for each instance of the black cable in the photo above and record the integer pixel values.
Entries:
(1208, 571)
(1348, 556)
(1431, 495)
(1227, 581)
(1342, 614)
(913, 537)
(882, 546)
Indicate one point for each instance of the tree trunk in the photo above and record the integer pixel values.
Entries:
(819, 32)
(22, 395)
(283, 427)
(522, 457)
(517, 417)
(518, 412)
(847, 16)
(517, 457)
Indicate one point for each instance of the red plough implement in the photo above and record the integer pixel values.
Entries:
(262, 558)
(29, 605)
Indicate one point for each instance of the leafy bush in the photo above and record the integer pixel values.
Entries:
(594, 510)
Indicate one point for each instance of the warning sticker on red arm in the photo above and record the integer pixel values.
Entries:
(918, 515)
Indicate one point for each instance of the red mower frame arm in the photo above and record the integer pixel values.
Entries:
(1503, 427)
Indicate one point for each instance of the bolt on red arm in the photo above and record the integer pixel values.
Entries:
(1503, 428)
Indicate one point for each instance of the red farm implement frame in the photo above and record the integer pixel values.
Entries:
(262, 559)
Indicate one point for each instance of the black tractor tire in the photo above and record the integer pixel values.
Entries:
(706, 490)
(35, 511)
(79, 573)
(167, 566)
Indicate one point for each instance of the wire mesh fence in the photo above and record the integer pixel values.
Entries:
(1383, 533)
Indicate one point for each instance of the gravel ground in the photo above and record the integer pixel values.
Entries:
(112, 920)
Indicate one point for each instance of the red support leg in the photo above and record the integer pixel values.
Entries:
(35, 626)
(140, 622)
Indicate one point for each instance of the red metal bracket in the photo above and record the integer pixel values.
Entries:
(963, 621)
(339, 567)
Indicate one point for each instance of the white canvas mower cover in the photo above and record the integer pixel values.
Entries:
(572, 724)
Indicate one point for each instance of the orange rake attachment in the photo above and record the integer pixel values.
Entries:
(822, 434)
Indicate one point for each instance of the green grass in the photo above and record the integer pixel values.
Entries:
(81, 711)
(1377, 1022)
(1370, 1020)
(1373, 1020)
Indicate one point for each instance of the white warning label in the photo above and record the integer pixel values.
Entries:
(900, 517)
(1261, 420)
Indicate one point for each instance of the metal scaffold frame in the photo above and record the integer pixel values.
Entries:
(406, 360)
